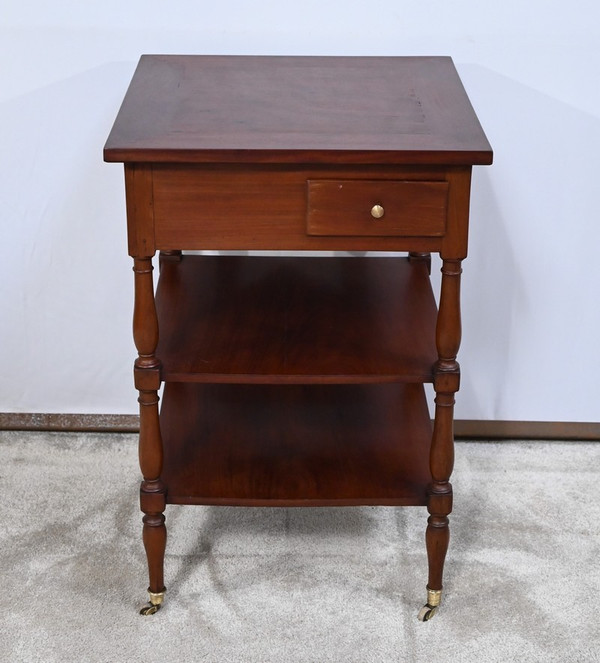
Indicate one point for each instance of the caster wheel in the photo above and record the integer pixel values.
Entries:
(426, 613)
(149, 609)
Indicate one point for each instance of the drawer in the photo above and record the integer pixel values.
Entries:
(230, 208)
(377, 208)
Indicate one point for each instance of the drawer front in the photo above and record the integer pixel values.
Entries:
(230, 208)
(377, 208)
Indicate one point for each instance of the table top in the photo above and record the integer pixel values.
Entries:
(272, 109)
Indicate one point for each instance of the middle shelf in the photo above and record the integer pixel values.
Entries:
(303, 320)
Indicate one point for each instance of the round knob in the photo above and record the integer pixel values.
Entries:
(377, 211)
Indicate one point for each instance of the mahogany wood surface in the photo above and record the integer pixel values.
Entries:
(296, 445)
(446, 384)
(297, 109)
(147, 381)
(269, 207)
(345, 207)
(304, 320)
(296, 381)
(140, 211)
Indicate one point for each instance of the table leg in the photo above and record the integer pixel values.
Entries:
(446, 384)
(147, 381)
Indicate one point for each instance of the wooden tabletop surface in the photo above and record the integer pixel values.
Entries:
(272, 109)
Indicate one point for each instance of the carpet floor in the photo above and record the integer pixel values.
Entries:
(306, 585)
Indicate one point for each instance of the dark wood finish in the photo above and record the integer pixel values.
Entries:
(297, 110)
(303, 320)
(454, 242)
(171, 256)
(343, 207)
(200, 207)
(446, 383)
(140, 210)
(246, 153)
(425, 258)
(147, 381)
(296, 445)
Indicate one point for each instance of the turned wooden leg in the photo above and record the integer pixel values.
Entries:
(439, 503)
(414, 256)
(441, 461)
(152, 499)
(147, 381)
(169, 256)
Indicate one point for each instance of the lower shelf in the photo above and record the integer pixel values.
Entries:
(286, 445)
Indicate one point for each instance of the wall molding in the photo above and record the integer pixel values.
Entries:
(70, 423)
(465, 429)
(469, 429)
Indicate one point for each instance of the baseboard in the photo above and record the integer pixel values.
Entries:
(467, 429)
(78, 423)
(464, 429)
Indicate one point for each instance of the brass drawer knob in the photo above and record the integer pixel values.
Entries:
(377, 211)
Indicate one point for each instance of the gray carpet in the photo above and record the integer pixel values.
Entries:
(298, 585)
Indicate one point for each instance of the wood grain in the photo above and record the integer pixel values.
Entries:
(296, 445)
(296, 380)
(228, 109)
(304, 320)
(265, 207)
(140, 210)
(343, 207)
(146, 375)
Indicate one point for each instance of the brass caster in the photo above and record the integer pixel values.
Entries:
(434, 596)
(427, 612)
(153, 606)
(149, 609)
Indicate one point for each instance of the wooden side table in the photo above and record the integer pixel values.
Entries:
(293, 381)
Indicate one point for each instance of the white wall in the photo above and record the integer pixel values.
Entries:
(530, 296)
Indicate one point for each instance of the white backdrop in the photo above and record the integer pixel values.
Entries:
(530, 294)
